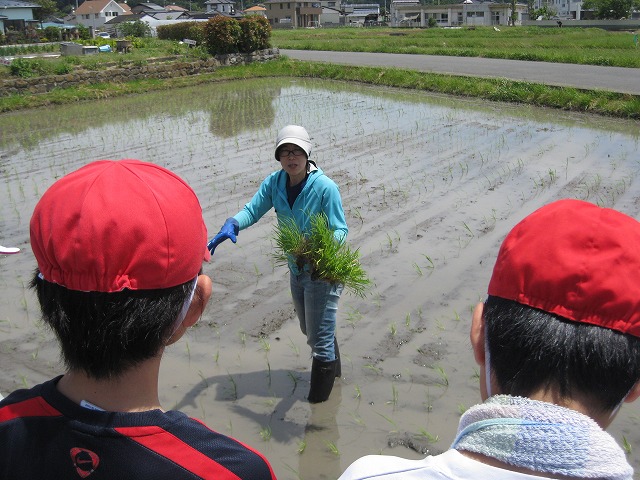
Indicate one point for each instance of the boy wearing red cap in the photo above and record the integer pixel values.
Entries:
(558, 343)
(119, 247)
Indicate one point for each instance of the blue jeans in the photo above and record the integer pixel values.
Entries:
(316, 303)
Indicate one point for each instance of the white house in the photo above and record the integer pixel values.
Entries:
(227, 7)
(410, 13)
(94, 13)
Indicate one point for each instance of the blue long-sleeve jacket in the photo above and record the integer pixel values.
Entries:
(319, 194)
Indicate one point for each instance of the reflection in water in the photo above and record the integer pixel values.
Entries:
(248, 108)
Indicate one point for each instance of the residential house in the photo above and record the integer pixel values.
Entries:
(293, 14)
(17, 16)
(331, 16)
(256, 10)
(565, 9)
(93, 14)
(156, 19)
(410, 13)
(147, 7)
(360, 13)
(225, 7)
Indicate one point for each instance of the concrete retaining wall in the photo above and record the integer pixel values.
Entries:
(132, 71)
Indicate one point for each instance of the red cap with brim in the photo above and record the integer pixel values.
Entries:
(576, 260)
(122, 224)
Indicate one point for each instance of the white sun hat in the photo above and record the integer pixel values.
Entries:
(296, 135)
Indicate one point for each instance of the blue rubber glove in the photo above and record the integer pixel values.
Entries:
(230, 230)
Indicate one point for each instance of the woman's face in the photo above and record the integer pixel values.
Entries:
(293, 160)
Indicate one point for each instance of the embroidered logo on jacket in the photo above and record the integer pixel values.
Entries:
(85, 461)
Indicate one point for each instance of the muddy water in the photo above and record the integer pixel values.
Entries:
(430, 186)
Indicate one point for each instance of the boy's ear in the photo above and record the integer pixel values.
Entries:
(633, 394)
(199, 302)
(477, 334)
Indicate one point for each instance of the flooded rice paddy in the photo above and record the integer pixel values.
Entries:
(430, 186)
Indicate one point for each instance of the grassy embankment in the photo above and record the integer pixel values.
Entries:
(591, 46)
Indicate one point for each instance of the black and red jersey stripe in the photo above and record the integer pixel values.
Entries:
(44, 435)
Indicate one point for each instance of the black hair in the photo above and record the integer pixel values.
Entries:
(532, 349)
(105, 334)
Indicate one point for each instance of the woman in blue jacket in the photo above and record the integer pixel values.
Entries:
(300, 190)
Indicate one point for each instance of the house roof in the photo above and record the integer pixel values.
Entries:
(148, 6)
(92, 6)
(256, 9)
(17, 4)
(175, 8)
(219, 2)
(132, 17)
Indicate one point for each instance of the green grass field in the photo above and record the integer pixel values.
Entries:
(592, 46)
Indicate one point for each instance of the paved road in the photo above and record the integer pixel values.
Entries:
(615, 79)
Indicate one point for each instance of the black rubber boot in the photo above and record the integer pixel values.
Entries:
(338, 364)
(323, 375)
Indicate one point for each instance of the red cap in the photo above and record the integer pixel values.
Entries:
(122, 224)
(576, 260)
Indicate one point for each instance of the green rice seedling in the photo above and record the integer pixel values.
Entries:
(353, 317)
(265, 433)
(327, 259)
(394, 395)
(417, 268)
(462, 408)
(333, 448)
(302, 445)
(294, 347)
(393, 329)
(204, 379)
(442, 374)
(431, 438)
(357, 419)
(390, 420)
(264, 345)
(373, 368)
(243, 337)
(234, 387)
(431, 265)
(358, 391)
(407, 320)
(188, 352)
(626, 445)
(294, 378)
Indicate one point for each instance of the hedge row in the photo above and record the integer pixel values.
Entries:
(222, 35)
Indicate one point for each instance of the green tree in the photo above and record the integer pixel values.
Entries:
(137, 28)
(611, 9)
(47, 8)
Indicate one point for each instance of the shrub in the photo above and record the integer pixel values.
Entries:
(180, 31)
(432, 23)
(222, 35)
(256, 33)
(137, 28)
(54, 34)
(24, 67)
